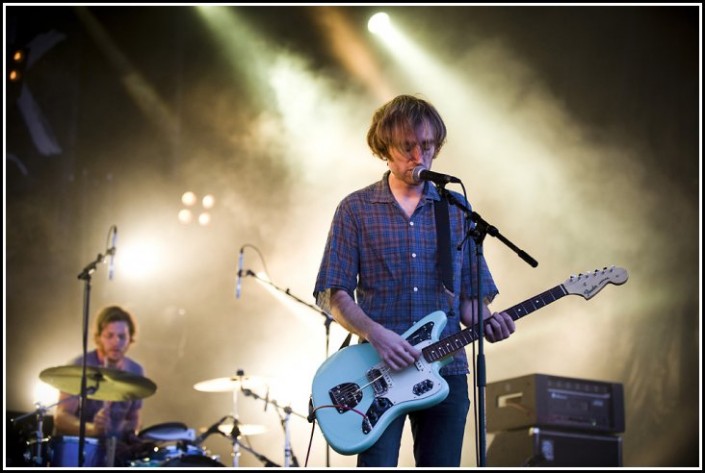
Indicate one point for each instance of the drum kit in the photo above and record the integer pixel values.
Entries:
(170, 444)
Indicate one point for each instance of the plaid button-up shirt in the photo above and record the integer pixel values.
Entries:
(389, 262)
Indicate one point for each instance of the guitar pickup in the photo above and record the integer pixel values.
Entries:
(380, 381)
(345, 396)
(423, 387)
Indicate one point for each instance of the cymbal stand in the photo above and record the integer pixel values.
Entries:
(235, 433)
(39, 435)
(40, 412)
(288, 454)
(289, 457)
(236, 430)
(236, 443)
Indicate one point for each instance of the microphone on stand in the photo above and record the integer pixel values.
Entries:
(266, 400)
(420, 173)
(111, 252)
(211, 430)
(238, 284)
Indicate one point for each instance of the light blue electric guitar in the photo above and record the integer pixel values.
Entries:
(355, 395)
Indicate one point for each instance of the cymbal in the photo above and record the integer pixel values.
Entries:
(103, 384)
(245, 429)
(232, 383)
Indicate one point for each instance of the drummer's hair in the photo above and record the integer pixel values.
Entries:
(115, 313)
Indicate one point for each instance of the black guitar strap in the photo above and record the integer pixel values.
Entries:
(443, 235)
(346, 342)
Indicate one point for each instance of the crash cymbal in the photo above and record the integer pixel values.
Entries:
(232, 383)
(245, 429)
(103, 384)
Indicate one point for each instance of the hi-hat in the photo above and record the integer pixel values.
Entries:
(244, 429)
(103, 384)
(232, 383)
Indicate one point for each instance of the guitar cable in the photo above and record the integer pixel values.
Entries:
(312, 419)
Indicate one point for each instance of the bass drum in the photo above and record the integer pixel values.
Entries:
(64, 451)
(192, 461)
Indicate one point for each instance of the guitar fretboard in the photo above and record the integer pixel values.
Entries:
(455, 342)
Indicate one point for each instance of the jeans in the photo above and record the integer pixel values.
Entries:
(437, 431)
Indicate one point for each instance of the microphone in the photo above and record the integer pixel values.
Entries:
(420, 173)
(211, 430)
(266, 400)
(238, 285)
(111, 252)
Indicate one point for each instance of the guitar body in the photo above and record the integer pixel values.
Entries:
(354, 381)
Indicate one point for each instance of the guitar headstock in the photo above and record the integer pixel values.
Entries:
(589, 284)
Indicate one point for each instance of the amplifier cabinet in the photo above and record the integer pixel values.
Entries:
(545, 448)
(540, 400)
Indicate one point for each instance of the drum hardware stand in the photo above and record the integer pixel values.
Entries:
(36, 459)
(236, 430)
(289, 457)
(329, 319)
(235, 435)
(40, 412)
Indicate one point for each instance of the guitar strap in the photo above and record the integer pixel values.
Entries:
(346, 342)
(443, 236)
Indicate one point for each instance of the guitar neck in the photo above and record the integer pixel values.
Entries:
(455, 342)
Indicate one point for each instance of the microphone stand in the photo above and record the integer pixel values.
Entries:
(85, 275)
(328, 319)
(482, 229)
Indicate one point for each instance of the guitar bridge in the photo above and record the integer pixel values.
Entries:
(345, 396)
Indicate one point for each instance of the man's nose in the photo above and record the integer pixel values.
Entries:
(416, 153)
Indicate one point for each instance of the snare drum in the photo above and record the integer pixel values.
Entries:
(176, 455)
(63, 451)
(192, 461)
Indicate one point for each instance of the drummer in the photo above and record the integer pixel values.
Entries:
(115, 330)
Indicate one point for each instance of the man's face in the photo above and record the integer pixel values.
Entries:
(412, 148)
(114, 341)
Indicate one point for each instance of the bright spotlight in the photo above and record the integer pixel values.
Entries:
(45, 394)
(208, 201)
(140, 260)
(185, 216)
(189, 198)
(17, 65)
(204, 219)
(379, 24)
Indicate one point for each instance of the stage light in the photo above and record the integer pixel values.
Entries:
(16, 66)
(208, 201)
(379, 24)
(45, 394)
(204, 219)
(185, 216)
(189, 198)
(141, 259)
